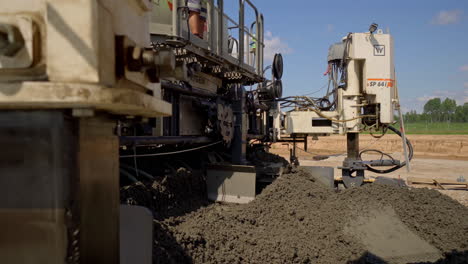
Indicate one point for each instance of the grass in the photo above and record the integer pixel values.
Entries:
(439, 128)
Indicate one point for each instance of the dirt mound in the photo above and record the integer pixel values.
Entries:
(168, 197)
(296, 220)
(435, 217)
(283, 225)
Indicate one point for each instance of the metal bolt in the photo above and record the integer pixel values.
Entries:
(3, 40)
(11, 40)
(134, 59)
(148, 58)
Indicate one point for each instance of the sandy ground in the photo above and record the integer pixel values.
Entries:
(427, 168)
(453, 147)
(436, 156)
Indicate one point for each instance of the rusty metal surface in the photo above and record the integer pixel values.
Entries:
(99, 191)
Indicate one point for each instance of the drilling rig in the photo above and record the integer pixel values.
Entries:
(362, 96)
(96, 95)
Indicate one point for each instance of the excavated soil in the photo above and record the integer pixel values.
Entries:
(297, 220)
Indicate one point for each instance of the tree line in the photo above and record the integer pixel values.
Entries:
(436, 110)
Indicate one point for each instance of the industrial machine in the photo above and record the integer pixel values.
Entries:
(66, 77)
(362, 96)
(96, 95)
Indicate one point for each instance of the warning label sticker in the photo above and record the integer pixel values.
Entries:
(380, 83)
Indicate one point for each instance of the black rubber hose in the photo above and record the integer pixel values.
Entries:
(128, 175)
(410, 155)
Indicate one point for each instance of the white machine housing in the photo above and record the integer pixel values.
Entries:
(372, 55)
(370, 82)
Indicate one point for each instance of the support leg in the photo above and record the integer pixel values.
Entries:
(292, 155)
(239, 141)
(60, 196)
(352, 171)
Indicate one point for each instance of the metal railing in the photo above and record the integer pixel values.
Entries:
(216, 34)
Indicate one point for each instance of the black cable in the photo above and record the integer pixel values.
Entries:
(382, 154)
(396, 167)
(345, 55)
(384, 131)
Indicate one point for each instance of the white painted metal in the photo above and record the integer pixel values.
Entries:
(300, 122)
(231, 183)
(69, 60)
(370, 81)
(375, 55)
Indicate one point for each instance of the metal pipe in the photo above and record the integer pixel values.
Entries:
(251, 136)
(142, 172)
(169, 140)
(211, 26)
(236, 25)
(402, 127)
(352, 140)
(260, 45)
(261, 106)
(175, 18)
(241, 33)
(239, 141)
(220, 27)
(129, 176)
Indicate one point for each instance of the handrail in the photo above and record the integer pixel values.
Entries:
(220, 27)
(241, 32)
(215, 41)
(259, 38)
(210, 13)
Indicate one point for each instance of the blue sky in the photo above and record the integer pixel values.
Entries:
(431, 42)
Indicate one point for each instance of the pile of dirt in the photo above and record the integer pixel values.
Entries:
(260, 156)
(168, 197)
(297, 220)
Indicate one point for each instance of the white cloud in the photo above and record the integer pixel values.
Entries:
(273, 45)
(417, 103)
(426, 98)
(464, 68)
(330, 27)
(446, 17)
(445, 93)
(461, 96)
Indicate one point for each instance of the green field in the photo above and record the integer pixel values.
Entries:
(440, 128)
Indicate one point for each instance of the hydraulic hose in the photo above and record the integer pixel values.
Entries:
(396, 167)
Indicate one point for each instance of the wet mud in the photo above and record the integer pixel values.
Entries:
(297, 220)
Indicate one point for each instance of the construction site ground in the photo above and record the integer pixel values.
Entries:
(435, 156)
(298, 220)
